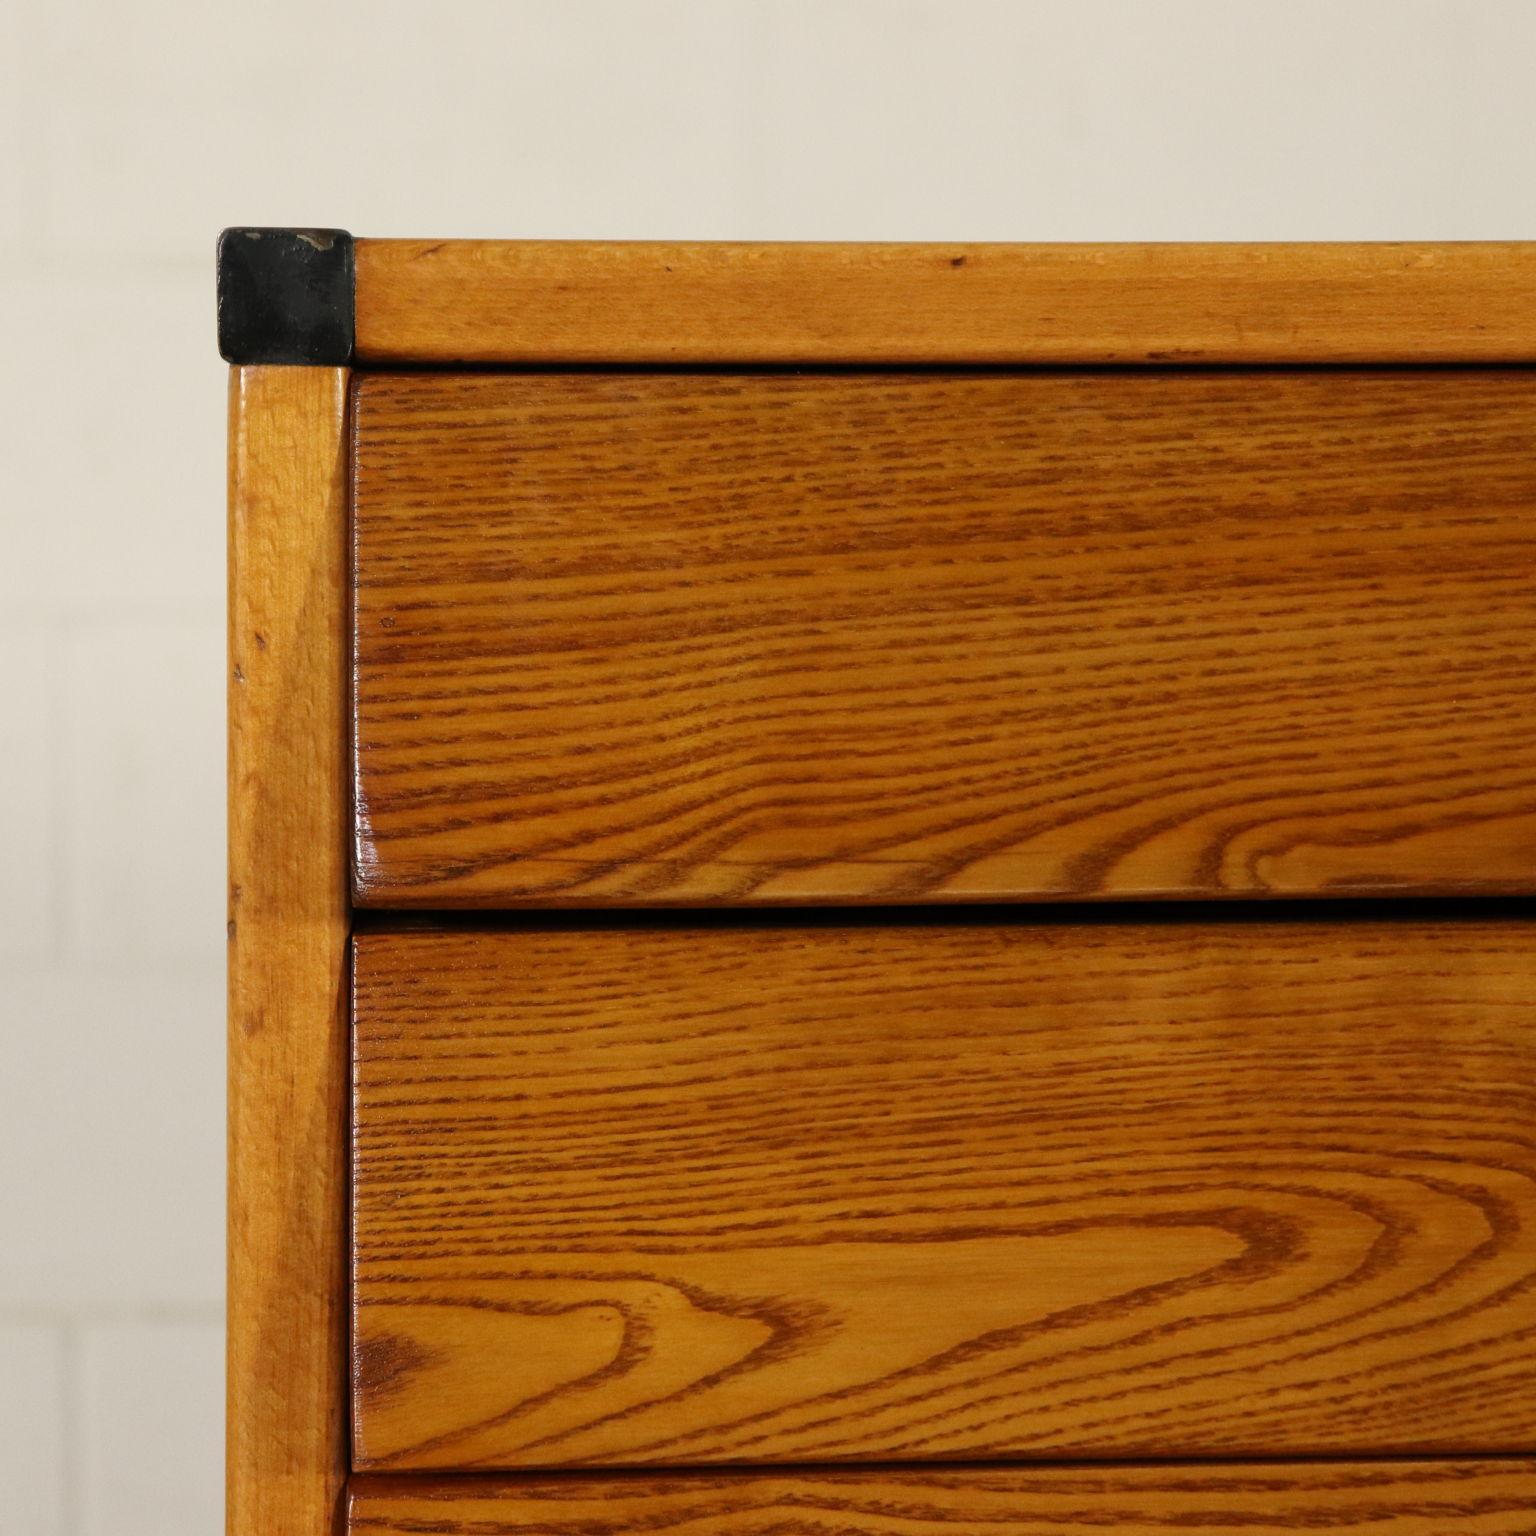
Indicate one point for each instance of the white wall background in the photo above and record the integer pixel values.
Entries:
(130, 133)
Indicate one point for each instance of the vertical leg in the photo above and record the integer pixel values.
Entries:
(288, 923)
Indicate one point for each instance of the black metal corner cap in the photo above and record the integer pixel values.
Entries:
(286, 296)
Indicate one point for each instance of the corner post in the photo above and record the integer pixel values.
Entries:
(289, 915)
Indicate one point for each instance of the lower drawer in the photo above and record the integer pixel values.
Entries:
(969, 1190)
(1472, 1498)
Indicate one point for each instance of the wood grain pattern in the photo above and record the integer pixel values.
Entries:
(537, 301)
(779, 1194)
(1467, 1498)
(776, 638)
(288, 922)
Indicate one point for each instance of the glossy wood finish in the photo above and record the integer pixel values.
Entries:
(288, 922)
(965, 1190)
(781, 638)
(561, 302)
(1472, 1498)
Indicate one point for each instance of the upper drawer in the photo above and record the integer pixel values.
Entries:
(890, 637)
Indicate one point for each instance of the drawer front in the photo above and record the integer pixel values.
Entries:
(673, 638)
(765, 1194)
(1475, 1498)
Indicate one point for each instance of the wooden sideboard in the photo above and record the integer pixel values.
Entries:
(880, 889)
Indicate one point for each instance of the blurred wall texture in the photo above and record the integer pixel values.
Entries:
(132, 133)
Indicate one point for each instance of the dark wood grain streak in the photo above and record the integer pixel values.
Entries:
(1471, 1498)
(960, 1191)
(662, 639)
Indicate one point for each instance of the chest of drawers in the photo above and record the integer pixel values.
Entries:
(880, 889)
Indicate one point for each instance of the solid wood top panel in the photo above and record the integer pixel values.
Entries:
(954, 1191)
(540, 301)
(1470, 1498)
(886, 637)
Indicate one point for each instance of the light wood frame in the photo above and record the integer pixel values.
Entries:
(288, 931)
(572, 303)
(562, 302)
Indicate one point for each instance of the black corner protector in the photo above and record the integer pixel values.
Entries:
(286, 296)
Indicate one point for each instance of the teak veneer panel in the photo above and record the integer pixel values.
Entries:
(897, 637)
(966, 1190)
(1472, 1498)
(288, 924)
(562, 302)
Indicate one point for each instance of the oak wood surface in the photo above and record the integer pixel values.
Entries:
(965, 1190)
(892, 637)
(1467, 1498)
(540, 301)
(288, 921)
